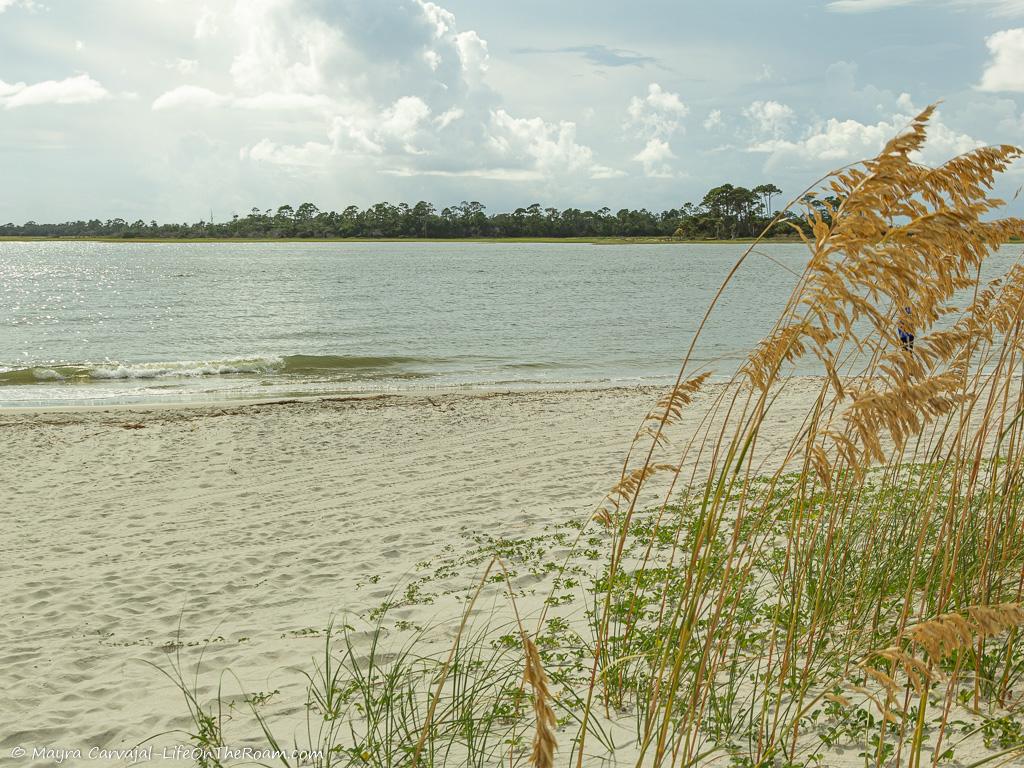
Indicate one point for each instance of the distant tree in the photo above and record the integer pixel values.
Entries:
(306, 212)
(724, 211)
(767, 192)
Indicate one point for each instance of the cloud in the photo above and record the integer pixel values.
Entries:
(450, 116)
(655, 157)
(399, 85)
(472, 51)
(838, 141)
(207, 24)
(403, 119)
(713, 120)
(197, 97)
(183, 66)
(994, 7)
(1005, 70)
(600, 55)
(1002, 7)
(517, 149)
(282, 48)
(28, 5)
(550, 148)
(284, 101)
(309, 155)
(189, 97)
(493, 174)
(395, 129)
(770, 117)
(659, 113)
(80, 89)
(866, 6)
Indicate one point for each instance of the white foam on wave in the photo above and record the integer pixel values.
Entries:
(186, 369)
(46, 374)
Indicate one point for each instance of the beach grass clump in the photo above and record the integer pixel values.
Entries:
(849, 592)
(903, 243)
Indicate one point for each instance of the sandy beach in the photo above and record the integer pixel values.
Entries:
(227, 537)
(240, 531)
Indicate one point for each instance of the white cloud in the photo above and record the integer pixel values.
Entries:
(388, 77)
(836, 142)
(655, 157)
(282, 49)
(450, 116)
(865, 6)
(309, 155)
(659, 113)
(80, 89)
(995, 7)
(770, 117)
(284, 101)
(348, 136)
(442, 19)
(190, 97)
(183, 66)
(28, 5)
(1005, 70)
(472, 51)
(197, 97)
(766, 74)
(713, 120)
(207, 24)
(433, 59)
(494, 174)
(517, 149)
(551, 148)
(395, 129)
(1003, 7)
(403, 119)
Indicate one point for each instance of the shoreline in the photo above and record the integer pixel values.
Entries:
(409, 396)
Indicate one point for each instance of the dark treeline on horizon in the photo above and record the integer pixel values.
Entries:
(725, 212)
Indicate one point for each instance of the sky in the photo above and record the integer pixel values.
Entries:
(176, 109)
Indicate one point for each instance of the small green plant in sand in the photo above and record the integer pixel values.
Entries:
(848, 593)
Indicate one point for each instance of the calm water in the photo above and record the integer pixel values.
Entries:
(85, 323)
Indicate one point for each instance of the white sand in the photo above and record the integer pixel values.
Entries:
(252, 525)
(251, 522)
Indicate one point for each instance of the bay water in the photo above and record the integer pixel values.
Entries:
(101, 323)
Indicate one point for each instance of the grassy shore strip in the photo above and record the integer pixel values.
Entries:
(583, 240)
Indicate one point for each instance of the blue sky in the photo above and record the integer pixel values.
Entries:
(167, 109)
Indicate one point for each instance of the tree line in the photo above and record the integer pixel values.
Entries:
(725, 212)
